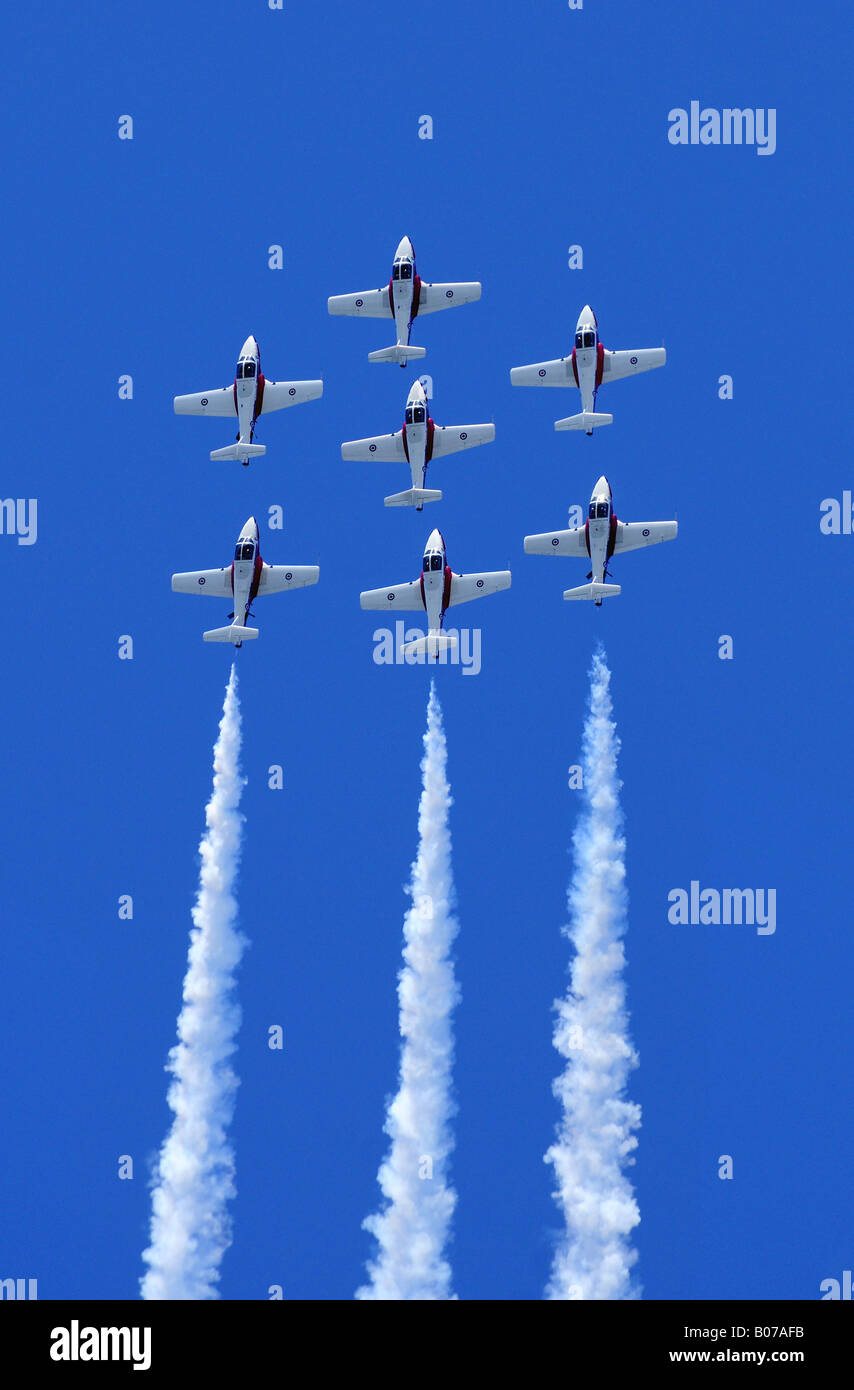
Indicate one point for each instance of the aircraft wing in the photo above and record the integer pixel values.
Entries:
(276, 579)
(556, 373)
(619, 364)
(218, 402)
(407, 597)
(558, 543)
(465, 587)
(448, 439)
(372, 304)
(433, 297)
(217, 583)
(633, 534)
(278, 394)
(384, 448)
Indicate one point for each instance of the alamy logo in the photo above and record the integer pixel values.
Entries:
(15, 521)
(837, 518)
(389, 648)
(833, 1288)
(19, 1288)
(729, 907)
(728, 126)
(76, 1343)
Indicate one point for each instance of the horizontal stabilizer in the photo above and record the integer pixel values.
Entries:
(242, 452)
(431, 645)
(587, 420)
(413, 497)
(235, 633)
(596, 592)
(400, 353)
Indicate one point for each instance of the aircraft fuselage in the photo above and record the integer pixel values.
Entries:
(587, 359)
(600, 531)
(248, 390)
(404, 290)
(418, 432)
(245, 571)
(435, 581)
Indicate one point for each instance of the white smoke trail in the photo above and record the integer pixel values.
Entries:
(190, 1227)
(595, 1135)
(413, 1226)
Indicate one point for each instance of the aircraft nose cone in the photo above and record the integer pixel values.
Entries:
(404, 248)
(250, 348)
(602, 488)
(435, 541)
(586, 318)
(417, 393)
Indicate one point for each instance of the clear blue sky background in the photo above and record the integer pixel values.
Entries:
(149, 257)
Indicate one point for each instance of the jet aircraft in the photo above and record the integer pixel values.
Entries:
(405, 297)
(250, 395)
(417, 443)
(601, 536)
(437, 590)
(589, 366)
(245, 579)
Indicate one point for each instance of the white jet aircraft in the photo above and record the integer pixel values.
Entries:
(250, 395)
(438, 589)
(405, 296)
(417, 443)
(601, 536)
(246, 578)
(589, 366)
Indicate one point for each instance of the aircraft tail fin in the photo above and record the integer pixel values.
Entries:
(413, 497)
(400, 353)
(241, 452)
(594, 591)
(431, 645)
(235, 634)
(588, 420)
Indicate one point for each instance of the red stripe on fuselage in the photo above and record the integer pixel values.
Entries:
(259, 395)
(431, 429)
(612, 536)
(574, 367)
(405, 444)
(600, 364)
(446, 591)
(587, 535)
(256, 577)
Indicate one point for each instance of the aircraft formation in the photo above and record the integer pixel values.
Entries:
(418, 443)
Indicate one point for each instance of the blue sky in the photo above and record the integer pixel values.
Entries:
(149, 257)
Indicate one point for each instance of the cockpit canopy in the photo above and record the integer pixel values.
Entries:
(432, 562)
(599, 509)
(245, 369)
(416, 414)
(244, 550)
(585, 338)
(401, 270)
